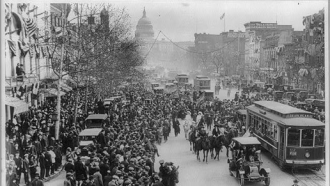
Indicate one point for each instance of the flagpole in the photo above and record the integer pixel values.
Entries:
(224, 23)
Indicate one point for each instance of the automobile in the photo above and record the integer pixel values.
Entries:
(278, 95)
(86, 139)
(245, 161)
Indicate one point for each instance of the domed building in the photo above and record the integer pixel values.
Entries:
(144, 28)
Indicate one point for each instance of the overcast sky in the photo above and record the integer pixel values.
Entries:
(180, 19)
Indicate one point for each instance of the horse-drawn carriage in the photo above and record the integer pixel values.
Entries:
(245, 163)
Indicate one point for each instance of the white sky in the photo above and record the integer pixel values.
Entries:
(180, 19)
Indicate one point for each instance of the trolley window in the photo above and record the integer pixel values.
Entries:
(293, 137)
(319, 137)
(307, 138)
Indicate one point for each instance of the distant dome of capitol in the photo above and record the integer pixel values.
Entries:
(144, 28)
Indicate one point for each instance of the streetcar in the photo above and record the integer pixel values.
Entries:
(182, 79)
(209, 95)
(291, 135)
(202, 83)
(96, 120)
(170, 88)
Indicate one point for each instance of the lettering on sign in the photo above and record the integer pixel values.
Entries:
(236, 35)
(262, 25)
(293, 152)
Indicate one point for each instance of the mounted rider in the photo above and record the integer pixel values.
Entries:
(201, 133)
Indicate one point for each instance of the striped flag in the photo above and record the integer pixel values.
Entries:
(31, 26)
(223, 15)
(23, 46)
(12, 47)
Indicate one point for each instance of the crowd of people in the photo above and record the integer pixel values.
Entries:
(124, 152)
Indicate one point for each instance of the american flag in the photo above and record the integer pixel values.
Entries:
(31, 26)
(12, 47)
(223, 15)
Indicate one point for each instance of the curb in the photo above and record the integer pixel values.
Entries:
(57, 173)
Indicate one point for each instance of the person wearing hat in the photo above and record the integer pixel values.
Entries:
(36, 181)
(295, 182)
(68, 180)
(69, 166)
(216, 130)
(157, 181)
(26, 169)
(107, 178)
(161, 168)
(98, 177)
(114, 181)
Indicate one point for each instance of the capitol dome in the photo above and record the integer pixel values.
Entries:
(144, 28)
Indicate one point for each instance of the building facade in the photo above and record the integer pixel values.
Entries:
(28, 32)
(256, 33)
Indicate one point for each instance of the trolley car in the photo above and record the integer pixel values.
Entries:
(182, 79)
(290, 134)
(202, 83)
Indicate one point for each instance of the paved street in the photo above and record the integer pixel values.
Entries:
(195, 173)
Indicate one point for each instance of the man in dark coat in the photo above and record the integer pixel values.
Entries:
(42, 165)
(104, 167)
(81, 172)
(19, 166)
(48, 162)
(69, 167)
(101, 139)
(176, 126)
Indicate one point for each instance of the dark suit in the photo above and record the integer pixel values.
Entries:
(48, 163)
(19, 164)
(37, 182)
(42, 164)
(26, 171)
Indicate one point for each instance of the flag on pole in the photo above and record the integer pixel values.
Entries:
(223, 15)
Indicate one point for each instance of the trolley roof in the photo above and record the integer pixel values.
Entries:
(97, 116)
(279, 107)
(247, 140)
(303, 122)
(297, 121)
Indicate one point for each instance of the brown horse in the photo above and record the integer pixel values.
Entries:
(226, 139)
(217, 144)
(206, 145)
(192, 139)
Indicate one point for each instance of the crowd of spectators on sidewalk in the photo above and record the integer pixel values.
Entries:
(124, 153)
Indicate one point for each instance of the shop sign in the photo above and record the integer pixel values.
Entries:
(262, 25)
(235, 35)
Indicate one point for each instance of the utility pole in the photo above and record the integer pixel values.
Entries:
(58, 108)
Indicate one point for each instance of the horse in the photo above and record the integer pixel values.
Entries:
(212, 145)
(192, 139)
(226, 139)
(206, 145)
(217, 146)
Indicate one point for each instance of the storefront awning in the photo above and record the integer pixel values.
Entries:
(19, 105)
(52, 92)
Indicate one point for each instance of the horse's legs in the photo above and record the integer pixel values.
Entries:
(190, 145)
(203, 155)
(227, 152)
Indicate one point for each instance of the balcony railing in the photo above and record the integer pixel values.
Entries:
(14, 81)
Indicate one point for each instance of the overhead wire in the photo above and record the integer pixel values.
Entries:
(212, 51)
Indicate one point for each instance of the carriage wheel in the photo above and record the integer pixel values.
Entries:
(241, 179)
(267, 181)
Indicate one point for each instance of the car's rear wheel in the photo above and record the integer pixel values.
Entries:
(267, 181)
